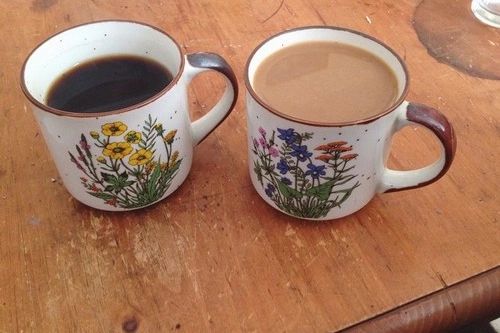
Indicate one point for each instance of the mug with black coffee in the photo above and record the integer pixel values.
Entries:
(322, 106)
(110, 98)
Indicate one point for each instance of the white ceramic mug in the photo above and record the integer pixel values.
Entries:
(132, 157)
(322, 171)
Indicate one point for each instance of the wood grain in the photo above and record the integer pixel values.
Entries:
(214, 256)
(476, 299)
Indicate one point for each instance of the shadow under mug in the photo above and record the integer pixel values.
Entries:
(321, 171)
(135, 156)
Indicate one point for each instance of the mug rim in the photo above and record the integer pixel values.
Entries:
(392, 107)
(149, 100)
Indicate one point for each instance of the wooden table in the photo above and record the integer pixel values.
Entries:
(214, 256)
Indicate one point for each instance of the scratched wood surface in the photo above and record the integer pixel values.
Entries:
(214, 256)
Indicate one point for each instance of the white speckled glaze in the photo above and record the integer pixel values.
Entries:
(82, 144)
(279, 168)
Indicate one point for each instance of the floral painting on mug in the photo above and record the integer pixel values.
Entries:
(127, 173)
(299, 181)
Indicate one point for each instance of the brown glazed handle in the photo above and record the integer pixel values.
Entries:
(201, 62)
(394, 180)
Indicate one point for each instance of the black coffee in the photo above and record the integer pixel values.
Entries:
(108, 83)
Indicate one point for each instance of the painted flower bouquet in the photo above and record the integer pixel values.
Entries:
(299, 183)
(127, 173)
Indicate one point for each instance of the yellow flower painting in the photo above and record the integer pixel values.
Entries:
(117, 150)
(141, 157)
(133, 137)
(114, 129)
(140, 180)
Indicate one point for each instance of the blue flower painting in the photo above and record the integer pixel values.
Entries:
(298, 182)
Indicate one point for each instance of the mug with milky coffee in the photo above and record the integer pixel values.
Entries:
(322, 106)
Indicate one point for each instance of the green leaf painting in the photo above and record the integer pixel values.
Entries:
(128, 171)
(298, 182)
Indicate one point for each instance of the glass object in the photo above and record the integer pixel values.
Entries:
(487, 11)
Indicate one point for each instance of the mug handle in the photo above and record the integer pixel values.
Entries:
(197, 63)
(414, 113)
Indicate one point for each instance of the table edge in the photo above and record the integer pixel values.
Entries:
(474, 299)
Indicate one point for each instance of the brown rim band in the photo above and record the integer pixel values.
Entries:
(47, 108)
(259, 100)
